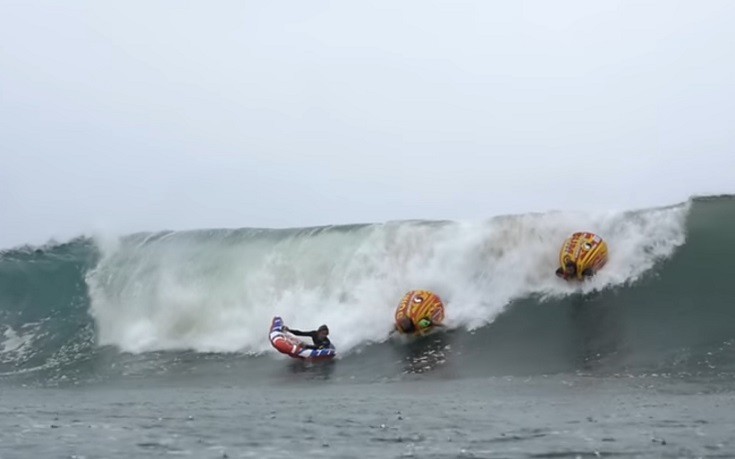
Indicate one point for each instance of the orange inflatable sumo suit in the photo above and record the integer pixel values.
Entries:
(581, 256)
(419, 312)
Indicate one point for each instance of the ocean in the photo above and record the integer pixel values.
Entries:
(156, 344)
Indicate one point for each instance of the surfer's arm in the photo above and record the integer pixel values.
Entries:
(298, 332)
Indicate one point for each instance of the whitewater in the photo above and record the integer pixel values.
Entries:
(218, 290)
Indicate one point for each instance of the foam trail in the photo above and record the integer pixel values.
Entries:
(218, 290)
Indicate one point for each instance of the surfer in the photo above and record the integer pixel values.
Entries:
(581, 256)
(419, 312)
(406, 325)
(319, 336)
(569, 271)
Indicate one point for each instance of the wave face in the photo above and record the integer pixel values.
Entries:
(663, 301)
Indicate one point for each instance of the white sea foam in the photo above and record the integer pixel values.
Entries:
(218, 290)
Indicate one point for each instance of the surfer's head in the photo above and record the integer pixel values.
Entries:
(322, 331)
(405, 325)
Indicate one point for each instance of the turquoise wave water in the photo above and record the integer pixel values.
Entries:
(197, 304)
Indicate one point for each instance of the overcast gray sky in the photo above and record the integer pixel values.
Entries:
(150, 115)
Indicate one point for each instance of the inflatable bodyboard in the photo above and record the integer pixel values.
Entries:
(286, 343)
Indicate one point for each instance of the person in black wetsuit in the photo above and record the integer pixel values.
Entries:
(319, 336)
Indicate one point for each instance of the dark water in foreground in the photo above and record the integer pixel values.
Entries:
(497, 417)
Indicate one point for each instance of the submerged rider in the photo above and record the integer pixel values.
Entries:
(406, 325)
(319, 336)
(568, 271)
